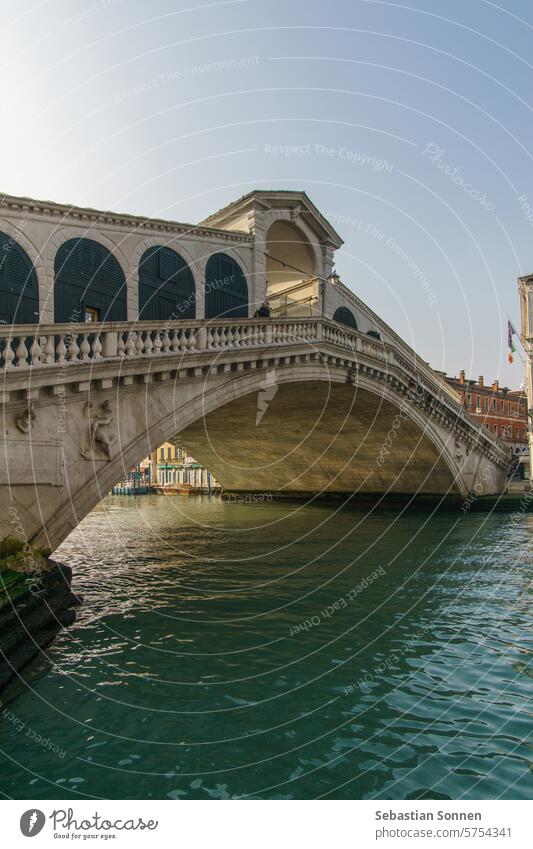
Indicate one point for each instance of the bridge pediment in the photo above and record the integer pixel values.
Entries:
(250, 213)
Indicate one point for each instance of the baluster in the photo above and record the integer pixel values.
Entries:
(183, 341)
(165, 342)
(85, 348)
(191, 341)
(73, 349)
(7, 354)
(139, 344)
(49, 350)
(61, 350)
(22, 353)
(130, 344)
(97, 347)
(121, 347)
(175, 342)
(209, 338)
(35, 352)
(216, 337)
(157, 343)
(148, 344)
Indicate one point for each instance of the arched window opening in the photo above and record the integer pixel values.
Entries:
(19, 288)
(89, 283)
(166, 286)
(293, 289)
(226, 290)
(345, 316)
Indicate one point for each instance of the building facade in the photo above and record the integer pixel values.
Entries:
(69, 265)
(169, 465)
(501, 410)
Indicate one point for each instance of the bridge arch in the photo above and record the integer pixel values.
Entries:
(318, 434)
(226, 289)
(166, 285)
(89, 283)
(19, 285)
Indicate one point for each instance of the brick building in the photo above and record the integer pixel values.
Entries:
(501, 410)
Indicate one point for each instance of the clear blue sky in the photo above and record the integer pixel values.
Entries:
(414, 123)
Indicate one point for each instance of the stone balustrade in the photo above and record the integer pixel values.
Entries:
(60, 346)
(31, 346)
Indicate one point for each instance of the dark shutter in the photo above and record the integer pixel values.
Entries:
(19, 288)
(345, 316)
(226, 290)
(88, 275)
(166, 286)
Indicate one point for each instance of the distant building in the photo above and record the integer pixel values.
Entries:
(501, 410)
(171, 465)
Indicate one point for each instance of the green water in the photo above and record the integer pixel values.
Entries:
(189, 675)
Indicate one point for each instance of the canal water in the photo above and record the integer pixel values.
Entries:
(276, 650)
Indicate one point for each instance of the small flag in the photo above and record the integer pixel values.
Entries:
(510, 333)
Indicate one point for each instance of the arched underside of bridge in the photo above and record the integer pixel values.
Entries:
(318, 437)
(299, 431)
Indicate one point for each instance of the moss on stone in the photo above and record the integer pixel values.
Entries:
(19, 556)
(10, 546)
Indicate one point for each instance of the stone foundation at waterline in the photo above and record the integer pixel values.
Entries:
(34, 606)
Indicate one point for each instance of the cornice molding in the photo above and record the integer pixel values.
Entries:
(64, 214)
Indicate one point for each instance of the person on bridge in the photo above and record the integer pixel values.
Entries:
(263, 311)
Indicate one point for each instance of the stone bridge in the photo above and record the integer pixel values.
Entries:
(282, 406)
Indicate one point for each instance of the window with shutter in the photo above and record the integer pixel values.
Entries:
(19, 288)
(226, 289)
(345, 316)
(166, 286)
(88, 275)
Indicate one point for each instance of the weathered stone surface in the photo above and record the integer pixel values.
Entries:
(301, 405)
(33, 608)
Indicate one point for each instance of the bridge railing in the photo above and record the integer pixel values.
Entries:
(49, 345)
(28, 347)
(25, 346)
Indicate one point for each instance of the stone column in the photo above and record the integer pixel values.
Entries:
(525, 288)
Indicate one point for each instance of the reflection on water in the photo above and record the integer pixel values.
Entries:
(275, 650)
